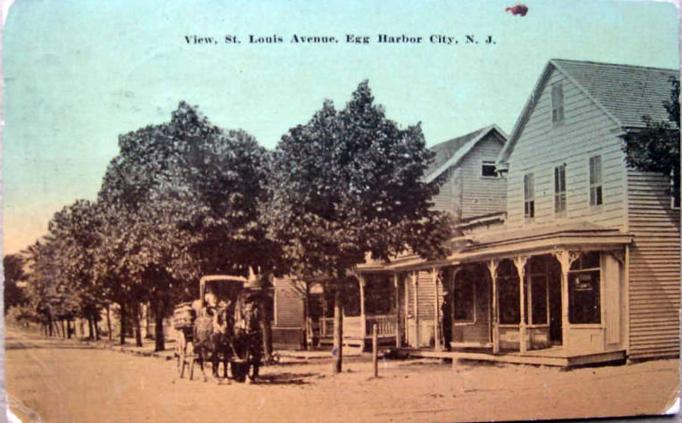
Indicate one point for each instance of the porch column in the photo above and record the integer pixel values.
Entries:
(363, 318)
(398, 331)
(451, 309)
(492, 268)
(415, 283)
(520, 264)
(436, 324)
(565, 259)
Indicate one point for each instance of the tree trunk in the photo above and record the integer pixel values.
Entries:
(68, 328)
(338, 330)
(50, 329)
(109, 322)
(159, 339)
(94, 324)
(136, 324)
(90, 330)
(306, 323)
(122, 334)
(148, 320)
(63, 328)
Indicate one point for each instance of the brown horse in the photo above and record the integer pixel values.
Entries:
(213, 338)
(247, 339)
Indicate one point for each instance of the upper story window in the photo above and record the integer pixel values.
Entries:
(528, 196)
(595, 181)
(488, 169)
(557, 104)
(560, 189)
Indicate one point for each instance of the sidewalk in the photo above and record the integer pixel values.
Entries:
(146, 350)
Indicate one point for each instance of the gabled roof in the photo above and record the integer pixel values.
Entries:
(625, 93)
(451, 152)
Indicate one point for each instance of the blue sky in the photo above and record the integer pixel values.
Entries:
(79, 73)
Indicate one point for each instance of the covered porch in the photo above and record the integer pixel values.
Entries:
(369, 301)
(555, 296)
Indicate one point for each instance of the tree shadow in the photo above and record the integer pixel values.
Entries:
(286, 378)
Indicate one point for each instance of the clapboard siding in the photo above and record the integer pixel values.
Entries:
(288, 304)
(586, 131)
(449, 197)
(465, 192)
(482, 195)
(654, 267)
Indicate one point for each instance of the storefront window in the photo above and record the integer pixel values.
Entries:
(583, 290)
(539, 299)
(464, 298)
(508, 283)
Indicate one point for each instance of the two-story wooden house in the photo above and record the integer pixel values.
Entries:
(586, 268)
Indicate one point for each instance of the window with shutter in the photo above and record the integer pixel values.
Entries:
(595, 181)
(528, 196)
(560, 189)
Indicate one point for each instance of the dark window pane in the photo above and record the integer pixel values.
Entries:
(464, 299)
(539, 299)
(584, 301)
(488, 169)
(508, 283)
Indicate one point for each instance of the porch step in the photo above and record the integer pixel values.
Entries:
(534, 359)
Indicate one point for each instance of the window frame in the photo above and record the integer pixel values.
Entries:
(557, 103)
(560, 189)
(597, 187)
(463, 322)
(597, 285)
(489, 163)
(529, 196)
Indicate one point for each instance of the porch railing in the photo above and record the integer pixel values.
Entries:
(387, 324)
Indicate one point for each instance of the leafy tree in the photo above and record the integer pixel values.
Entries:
(75, 232)
(184, 201)
(13, 266)
(49, 294)
(656, 148)
(348, 183)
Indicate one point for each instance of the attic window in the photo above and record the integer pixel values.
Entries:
(488, 169)
(557, 104)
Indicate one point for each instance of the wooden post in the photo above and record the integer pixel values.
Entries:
(565, 259)
(398, 332)
(520, 263)
(415, 281)
(492, 268)
(363, 317)
(436, 314)
(375, 353)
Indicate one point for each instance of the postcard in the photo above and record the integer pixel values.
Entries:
(377, 211)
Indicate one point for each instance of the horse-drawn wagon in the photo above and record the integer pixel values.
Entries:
(222, 326)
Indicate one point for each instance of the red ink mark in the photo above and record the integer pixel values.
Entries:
(519, 9)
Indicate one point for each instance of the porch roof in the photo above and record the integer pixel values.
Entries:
(541, 239)
(509, 242)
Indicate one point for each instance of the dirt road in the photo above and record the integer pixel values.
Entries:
(61, 381)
